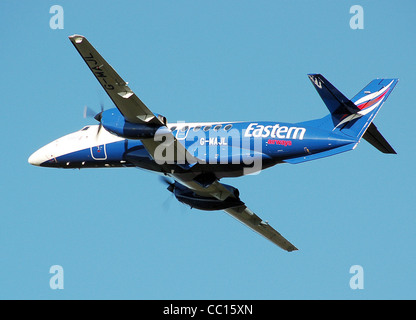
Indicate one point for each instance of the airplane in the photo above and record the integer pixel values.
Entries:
(192, 158)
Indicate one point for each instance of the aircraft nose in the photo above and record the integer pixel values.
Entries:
(37, 158)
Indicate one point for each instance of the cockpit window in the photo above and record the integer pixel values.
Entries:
(85, 128)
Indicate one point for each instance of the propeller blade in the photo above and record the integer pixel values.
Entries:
(171, 185)
(88, 112)
(99, 128)
(167, 203)
(165, 180)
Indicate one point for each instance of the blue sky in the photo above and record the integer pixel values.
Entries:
(116, 232)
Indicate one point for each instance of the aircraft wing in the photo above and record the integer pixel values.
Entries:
(130, 106)
(254, 222)
(221, 192)
(244, 214)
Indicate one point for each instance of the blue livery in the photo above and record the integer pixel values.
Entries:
(193, 157)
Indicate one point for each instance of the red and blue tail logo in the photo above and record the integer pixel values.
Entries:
(370, 99)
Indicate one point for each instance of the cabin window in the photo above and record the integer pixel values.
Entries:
(173, 128)
(206, 128)
(228, 127)
(184, 128)
(197, 128)
(218, 127)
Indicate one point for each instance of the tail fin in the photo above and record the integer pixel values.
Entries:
(354, 117)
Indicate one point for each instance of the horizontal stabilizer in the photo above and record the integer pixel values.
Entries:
(374, 137)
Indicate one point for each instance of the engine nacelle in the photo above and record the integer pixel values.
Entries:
(187, 196)
(114, 122)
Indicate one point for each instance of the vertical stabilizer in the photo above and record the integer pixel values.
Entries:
(354, 117)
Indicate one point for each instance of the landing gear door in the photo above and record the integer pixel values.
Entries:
(99, 152)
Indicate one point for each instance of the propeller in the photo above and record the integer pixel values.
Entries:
(171, 187)
(169, 183)
(89, 113)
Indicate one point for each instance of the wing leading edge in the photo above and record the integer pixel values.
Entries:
(254, 222)
(130, 106)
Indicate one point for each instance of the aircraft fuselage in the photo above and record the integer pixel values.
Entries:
(224, 148)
